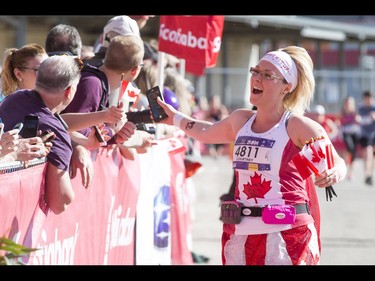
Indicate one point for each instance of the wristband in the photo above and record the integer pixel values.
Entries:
(177, 118)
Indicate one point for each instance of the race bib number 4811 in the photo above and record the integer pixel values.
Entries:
(252, 153)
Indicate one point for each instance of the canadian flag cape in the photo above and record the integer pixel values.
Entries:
(314, 158)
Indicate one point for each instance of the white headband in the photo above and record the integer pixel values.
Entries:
(285, 64)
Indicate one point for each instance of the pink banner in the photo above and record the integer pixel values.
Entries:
(180, 212)
(98, 228)
(19, 193)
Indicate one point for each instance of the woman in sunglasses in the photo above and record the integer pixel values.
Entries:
(20, 67)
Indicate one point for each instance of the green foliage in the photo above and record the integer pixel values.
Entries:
(13, 252)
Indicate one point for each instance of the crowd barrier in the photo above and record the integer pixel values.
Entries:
(135, 212)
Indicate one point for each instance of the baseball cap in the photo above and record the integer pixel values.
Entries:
(123, 25)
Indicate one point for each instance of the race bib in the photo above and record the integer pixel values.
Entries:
(252, 153)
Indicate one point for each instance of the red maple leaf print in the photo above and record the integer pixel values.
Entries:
(321, 153)
(315, 158)
(256, 188)
(317, 154)
(132, 94)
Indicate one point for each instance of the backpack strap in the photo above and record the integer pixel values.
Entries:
(101, 75)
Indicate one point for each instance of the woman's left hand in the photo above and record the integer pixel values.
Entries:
(327, 178)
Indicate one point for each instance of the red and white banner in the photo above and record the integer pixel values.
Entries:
(181, 209)
(98, 227)
(197, 39)
(153, 214)
(162, 225)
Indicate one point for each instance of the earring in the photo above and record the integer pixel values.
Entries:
(20, 79)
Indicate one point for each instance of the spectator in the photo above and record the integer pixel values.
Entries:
(63, 38)
(19, 71)
(349, 124)
(20, 67)
(122, 25)
(366, 112)
(119, 25)
(55, 87)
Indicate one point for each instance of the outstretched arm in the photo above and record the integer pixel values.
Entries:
(78, 121)
(204, 131)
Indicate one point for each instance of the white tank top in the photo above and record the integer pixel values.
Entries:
(257, 158)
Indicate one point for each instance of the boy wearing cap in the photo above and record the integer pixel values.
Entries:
(119, 25)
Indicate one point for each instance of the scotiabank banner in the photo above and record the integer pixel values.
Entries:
(197, 39)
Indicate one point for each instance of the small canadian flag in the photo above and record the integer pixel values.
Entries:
(129, 92)
(315, 157)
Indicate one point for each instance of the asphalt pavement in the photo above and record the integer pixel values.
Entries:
(347, 222)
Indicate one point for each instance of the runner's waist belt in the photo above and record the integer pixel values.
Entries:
(256, 211)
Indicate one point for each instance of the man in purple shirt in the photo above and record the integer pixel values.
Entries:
(55, 87)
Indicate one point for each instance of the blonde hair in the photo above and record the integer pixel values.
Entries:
(300, 99)
(147, 78)
(177, 83)
(17, 58)
(124, 53)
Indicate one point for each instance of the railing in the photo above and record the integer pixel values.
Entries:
(98, 227)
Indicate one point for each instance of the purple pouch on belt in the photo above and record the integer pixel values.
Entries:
(230, 212)
(279, 214)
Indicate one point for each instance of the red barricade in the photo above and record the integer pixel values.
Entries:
(98, 228)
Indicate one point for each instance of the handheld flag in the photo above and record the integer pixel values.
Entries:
(129, 93)
(315, 157)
